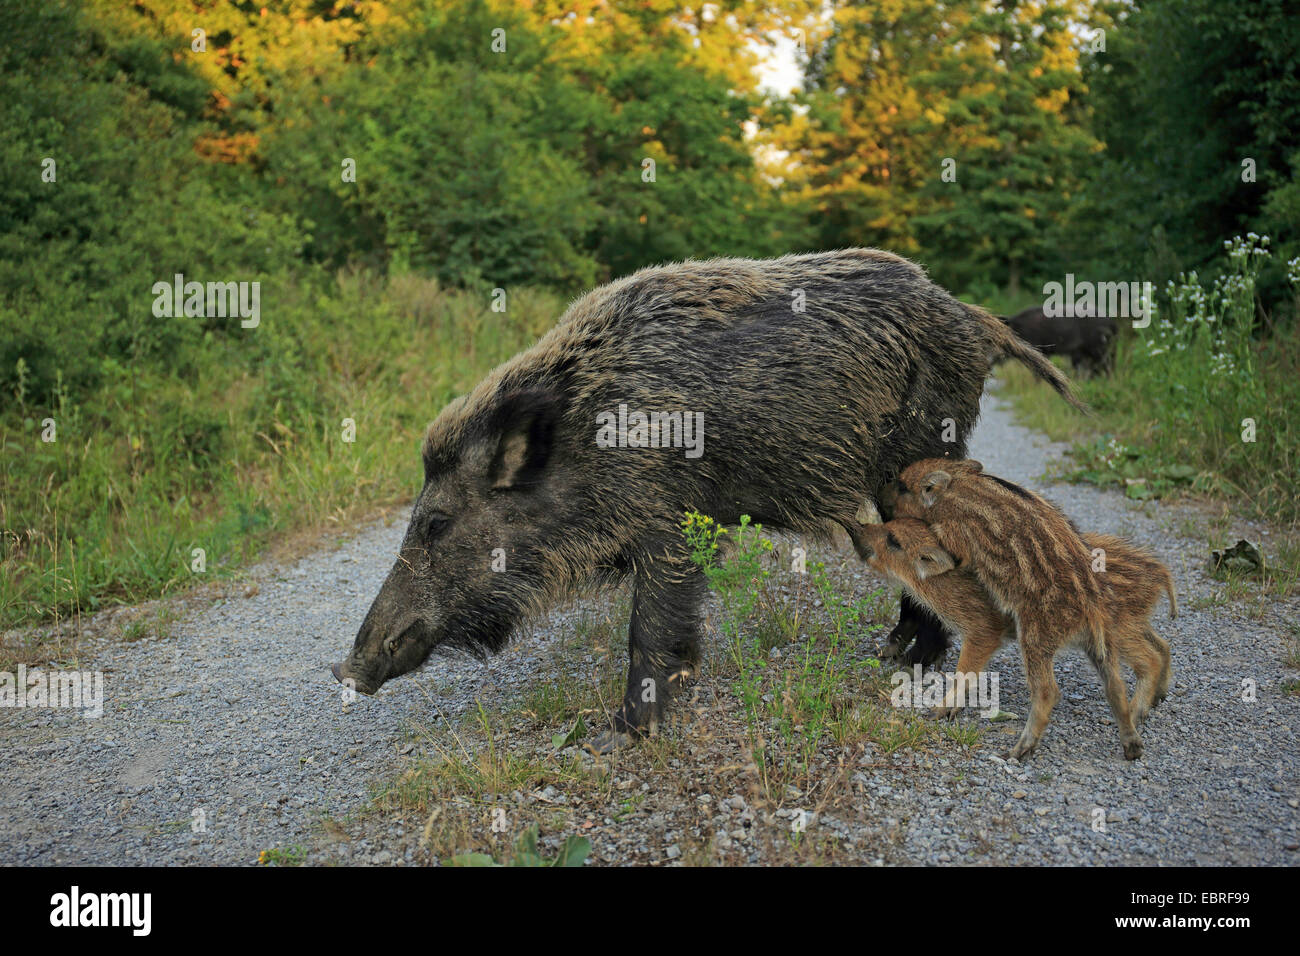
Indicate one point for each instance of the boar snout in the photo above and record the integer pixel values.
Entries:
(386, 648)
(342, 673)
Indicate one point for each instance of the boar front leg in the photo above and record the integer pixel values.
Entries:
(663, 646)
(1036, 651)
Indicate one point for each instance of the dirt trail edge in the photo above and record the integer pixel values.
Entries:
(229, 737)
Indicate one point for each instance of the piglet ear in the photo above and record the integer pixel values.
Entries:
(525, 422)
(932, 561)
(974, 465)
(933, 486)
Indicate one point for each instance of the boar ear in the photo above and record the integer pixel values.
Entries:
(933, 485)
(932, 561)
(525, 424)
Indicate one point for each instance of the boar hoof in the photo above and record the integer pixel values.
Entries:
(608, 742)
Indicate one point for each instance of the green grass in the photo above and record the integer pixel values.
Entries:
(157, 625)
(1196, 401)
(239, 439)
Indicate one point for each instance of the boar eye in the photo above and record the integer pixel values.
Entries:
(436, 524)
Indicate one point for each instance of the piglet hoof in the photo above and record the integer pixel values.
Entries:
(608, 742)
(1020, 751)
(1133, 750)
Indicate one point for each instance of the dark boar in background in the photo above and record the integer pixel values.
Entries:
(818, 377)
(1087, 340)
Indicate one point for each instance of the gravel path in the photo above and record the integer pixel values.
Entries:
(228, 737)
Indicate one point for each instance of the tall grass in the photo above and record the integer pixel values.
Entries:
(239, 440)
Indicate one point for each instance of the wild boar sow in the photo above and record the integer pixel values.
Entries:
(787, 389)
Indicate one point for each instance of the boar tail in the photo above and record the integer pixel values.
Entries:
(1006, 344)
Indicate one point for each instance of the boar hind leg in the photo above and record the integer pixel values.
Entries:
(1117, 697)
(1162, 649)
(663, 648)
(1146, 667)
(1152, 673)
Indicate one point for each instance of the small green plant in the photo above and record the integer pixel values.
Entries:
(157, 625)
(629, 806)
(965, 733)
(738, 581)
(573, 852)
(1292, 645)
(1106, 461)
(794, 701)
(574, 735)
(283, 856)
